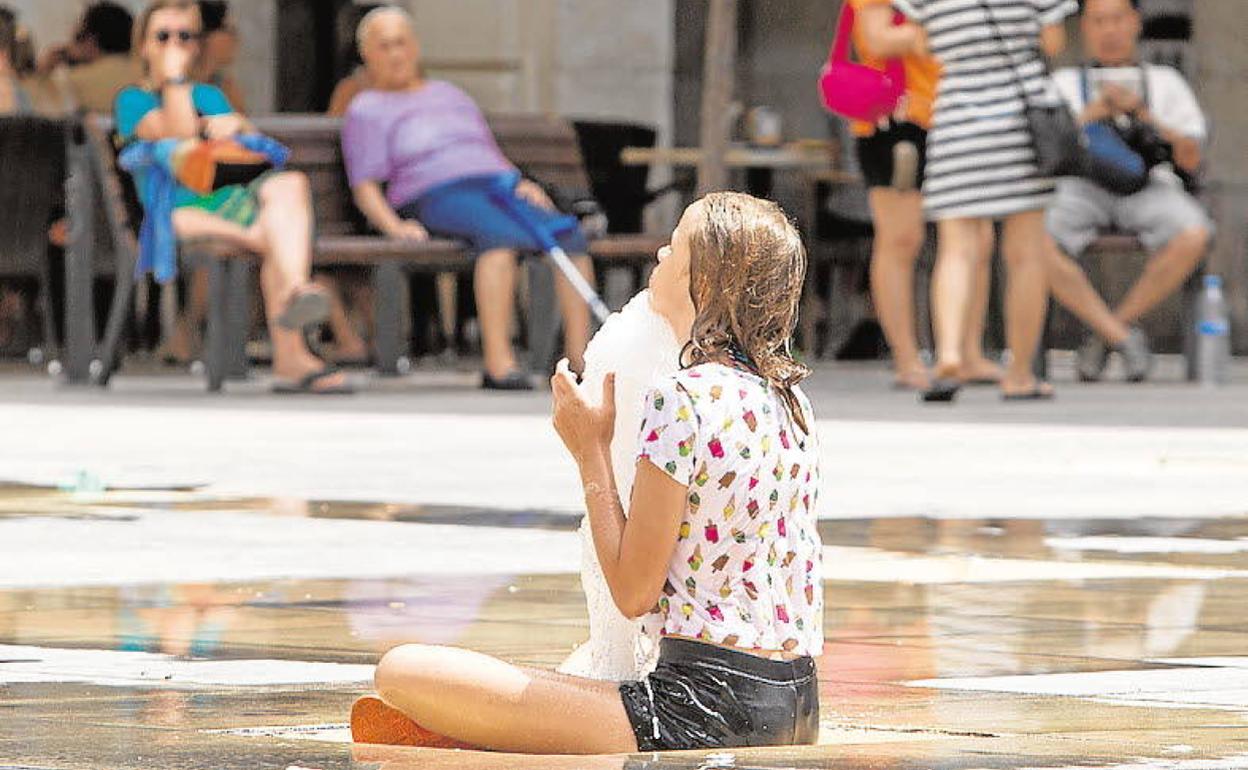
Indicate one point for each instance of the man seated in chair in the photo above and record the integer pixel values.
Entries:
(1166, 218)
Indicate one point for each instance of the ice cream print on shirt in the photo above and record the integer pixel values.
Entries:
(747, 566)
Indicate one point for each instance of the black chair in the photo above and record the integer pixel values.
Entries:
(32, 167)
(621, 190)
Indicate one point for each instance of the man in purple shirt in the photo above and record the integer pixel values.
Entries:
(443, 172)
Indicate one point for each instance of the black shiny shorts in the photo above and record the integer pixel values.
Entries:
(875, 153)
(703, 696)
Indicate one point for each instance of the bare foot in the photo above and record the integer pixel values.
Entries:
(1022, 387)
(353, 351)
(912, 379)
(290, 374)
(981, 371)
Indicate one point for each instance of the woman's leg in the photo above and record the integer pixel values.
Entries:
(957, 258)
(575, 314)
(284, 227)
(899, 232)
(489, 703)
(977, 367)
(348, 344)
(494, 279)
(1027, 296)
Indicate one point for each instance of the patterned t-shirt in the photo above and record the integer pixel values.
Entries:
(747, 567)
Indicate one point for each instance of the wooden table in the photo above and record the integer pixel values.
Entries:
(760, 163)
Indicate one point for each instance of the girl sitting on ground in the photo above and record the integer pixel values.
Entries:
(719, 552)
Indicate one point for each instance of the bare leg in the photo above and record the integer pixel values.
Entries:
(284, 227)
(977, 367)
(1027, 295)
(1072, 288)
(448, 307)
(899, 231)
(348, 344)
(575, 314)
(495, 283)
(487, 702)
(958, 257)
(1164, 274)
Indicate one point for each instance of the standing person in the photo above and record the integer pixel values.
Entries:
(720, 552)
(892, 157)
(429, 144)
(272, 215)
(981, 166)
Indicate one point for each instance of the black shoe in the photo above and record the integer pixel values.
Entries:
(513, 380)
(1091, 359)
(1137, 357)
(942, 391)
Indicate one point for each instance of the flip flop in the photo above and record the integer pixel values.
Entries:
(1041, 392)
(943, 391)
(309, 306)
(307, 385)
(372, 721)
(513, 380)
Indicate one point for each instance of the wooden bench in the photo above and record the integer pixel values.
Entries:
(543, 146)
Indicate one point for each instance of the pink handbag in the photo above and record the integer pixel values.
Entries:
(857, 91)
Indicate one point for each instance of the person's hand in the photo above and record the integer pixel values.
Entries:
(409, 230)
(1122, 100)
(52, 58)
(1096, 111)
(175, 61)
(224, 126)
(586, 430)
(921, 47)
(532, 192)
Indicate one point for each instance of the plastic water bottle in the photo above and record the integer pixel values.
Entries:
(1213, 330)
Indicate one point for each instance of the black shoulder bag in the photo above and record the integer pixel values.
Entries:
(1054, 134)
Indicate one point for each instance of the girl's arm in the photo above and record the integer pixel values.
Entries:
(634, 552)
(886, 39)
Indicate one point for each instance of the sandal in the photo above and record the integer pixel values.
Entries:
(514, 380)
(943, 391)
(308, 306)
(372, 721)
(306, 385)
(1041, 391)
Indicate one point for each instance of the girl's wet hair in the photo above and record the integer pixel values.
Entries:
(748, 266)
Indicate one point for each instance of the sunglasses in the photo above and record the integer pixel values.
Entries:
(183, 36)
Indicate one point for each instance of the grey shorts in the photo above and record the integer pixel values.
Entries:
(1082, 210)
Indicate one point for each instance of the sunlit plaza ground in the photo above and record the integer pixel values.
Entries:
(202, 581)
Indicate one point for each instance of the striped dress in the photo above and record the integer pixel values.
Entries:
(980, 159)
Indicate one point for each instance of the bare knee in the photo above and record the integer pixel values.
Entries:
(1196, 241)
(899, 246)
(288, 187)
(401, 669)
(495, 259)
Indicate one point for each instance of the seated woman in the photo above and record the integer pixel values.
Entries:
(428, 142)
(272, 215)
(719, 553)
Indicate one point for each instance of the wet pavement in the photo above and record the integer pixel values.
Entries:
(203, 582)
(967, 643)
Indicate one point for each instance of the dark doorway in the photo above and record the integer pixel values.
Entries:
(316, 48)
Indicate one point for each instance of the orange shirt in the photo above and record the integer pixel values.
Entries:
(922, 77)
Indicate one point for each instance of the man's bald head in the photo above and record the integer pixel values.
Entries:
(387, 16)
